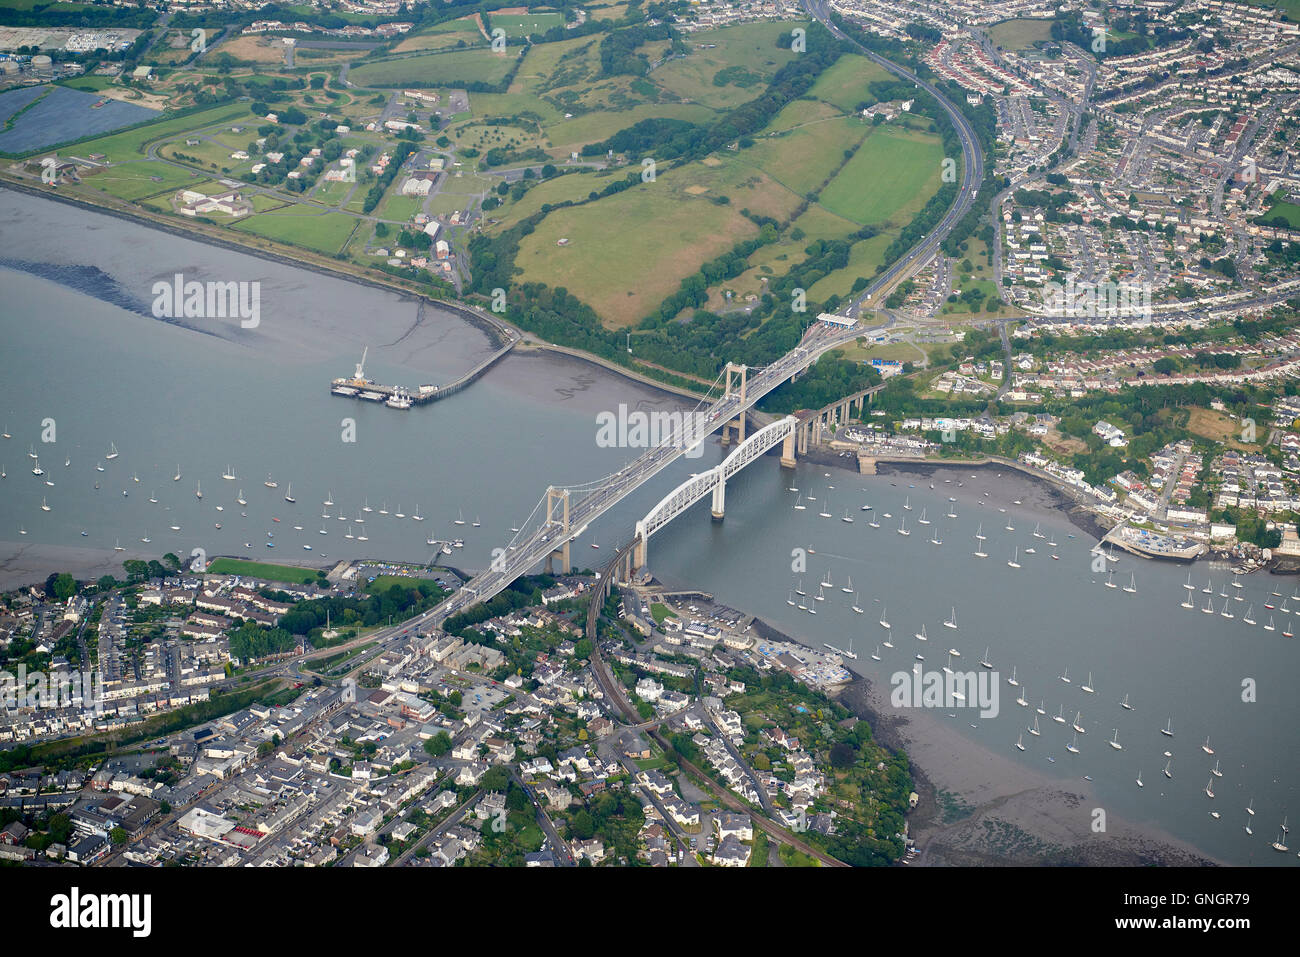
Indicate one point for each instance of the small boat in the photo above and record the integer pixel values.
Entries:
(1131, 587)
(383, 509)
(112, 452)
(1034, 730)
(1114, 741)
(1209, 588)
(821, 594)
(923, 520)
(329, 500)
(788, 601)
(269, 483)
(177, 476)
(1206, 746)
(848, 519)
(240, 498)
(1020, 742)
(921, 635)
(1169, 769)
(1225, 613)
(198, 490)
(229, 474)
(1139, 780)
(856, 608)
(1125, 705)
(1246, 619)
(875, 655)
(146, 539)
(37, 470)
(399, 513)
(884, 622)
(307, 548)
(902, 528)
(476, 523)
(1078, 715)
(1015, 560)
(1110, 581)
(416, 516)
(1059, 717)
(1215, 770)
(1073, 746)
(594, 545)
(1088, 686)
(984, 662)
(1209, 789)
(44, 506)
(288, 494)
(1168, 729)
(951, 621)
(1065, 677)
(848, 589)
(460, 519)
(1012, 680)
(117, 546)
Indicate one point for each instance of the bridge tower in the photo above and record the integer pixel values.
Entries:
(557, 514)
(640, 554)
(742, 378)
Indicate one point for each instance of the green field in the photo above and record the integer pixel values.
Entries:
(802, 158)
(119, 147)
(570, 135)
(275, 573)
(845, 84)
(890, 177)
(135, 180)
(437, 69)
(523, 25)
(304, 226)
(1020, 34)
(750, 49)
(1281, 209)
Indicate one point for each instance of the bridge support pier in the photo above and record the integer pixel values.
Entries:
(719, 499)
(787, 452)
(558, 497)
(639, 553)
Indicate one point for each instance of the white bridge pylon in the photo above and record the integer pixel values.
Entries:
(715, 480)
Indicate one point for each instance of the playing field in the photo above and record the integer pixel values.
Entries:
(456, 68)
(275, 573)
(1020, 34)
(523, 25)
(889, 179)
(302, 226)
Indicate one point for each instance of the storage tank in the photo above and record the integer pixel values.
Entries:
(8, 67)
(41, 62)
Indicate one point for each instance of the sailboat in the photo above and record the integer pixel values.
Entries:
(1114, 741)
(1168, 729)
(902, 528)
(1110, 581)
(921, 635)
(1280, 843)
(1206, 746)
(923, 520)
(1209, 587)
(1034, 730)
(820, 596)
(288, 494)
(1012, 680)
(884, 622)
(44, 507)
(951, 621)
(1225, 613)
(984, 662)
(383, 509)
(1077, 726)
(1270, 626)
(874, 523)
(1188, 584)
(875, 655)
(177, 476)
(146, 539)
(460, 518)
(1065, 677)
(36, 469)
(1088, 686)
(826, 505)
(1286, 633)
(947, 668)
(1037, 533)
(329, 499)
(1247, 618)
(1015, 560)
(847, 517)
(1209, 788)
(1073, 746)
(979, 548)
(1215, 770)
(476, 523)
(1021, 700)
(1209, 608)
(349, 534)
(1131, 587)
(1168, 769)
(1059, 717)
(416, 516)
(1020, 742)
(198, 490)
(269, 483)
(790, 600)
(848, 589)
(117, 546)
(887, 643)
(240, 498)
(799, 590)
(856, 608)
(229, 474)
(1125, 705)
(799, 505)
(112, 452)
(907, 506)
(1187, 601)
(1139, 780)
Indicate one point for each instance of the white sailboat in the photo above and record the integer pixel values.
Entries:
(875, 655)
(923, 520)
(951, 620)
(1125, 705)
(1020, 742)
(1012, 680)
(1015, 560)
(112, 452)
(329, 499)
(1169, 773)
(1110, 581)
(902, 528)
(1270, 626)
(799, 505)
(288, 494)
(1168, 729)
(979, 547)
(921, 635)
(856, 607)
(1139, 780)
(1078, 715)
(229, 474)
(1225, 613)
(1206, 746)
(1034, 730)
(416, 516)
(1073, 746)
(176, 477)
(240, 498)
(1088, 687)
(820, 596)
(1114, 741)
(984, 662)
(270, 483)
(848, 588)
(1248, 619)
(198, 490)
(460, 517)
(44, 506)
(847, 517)
(1131, 587)
(884, 622)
